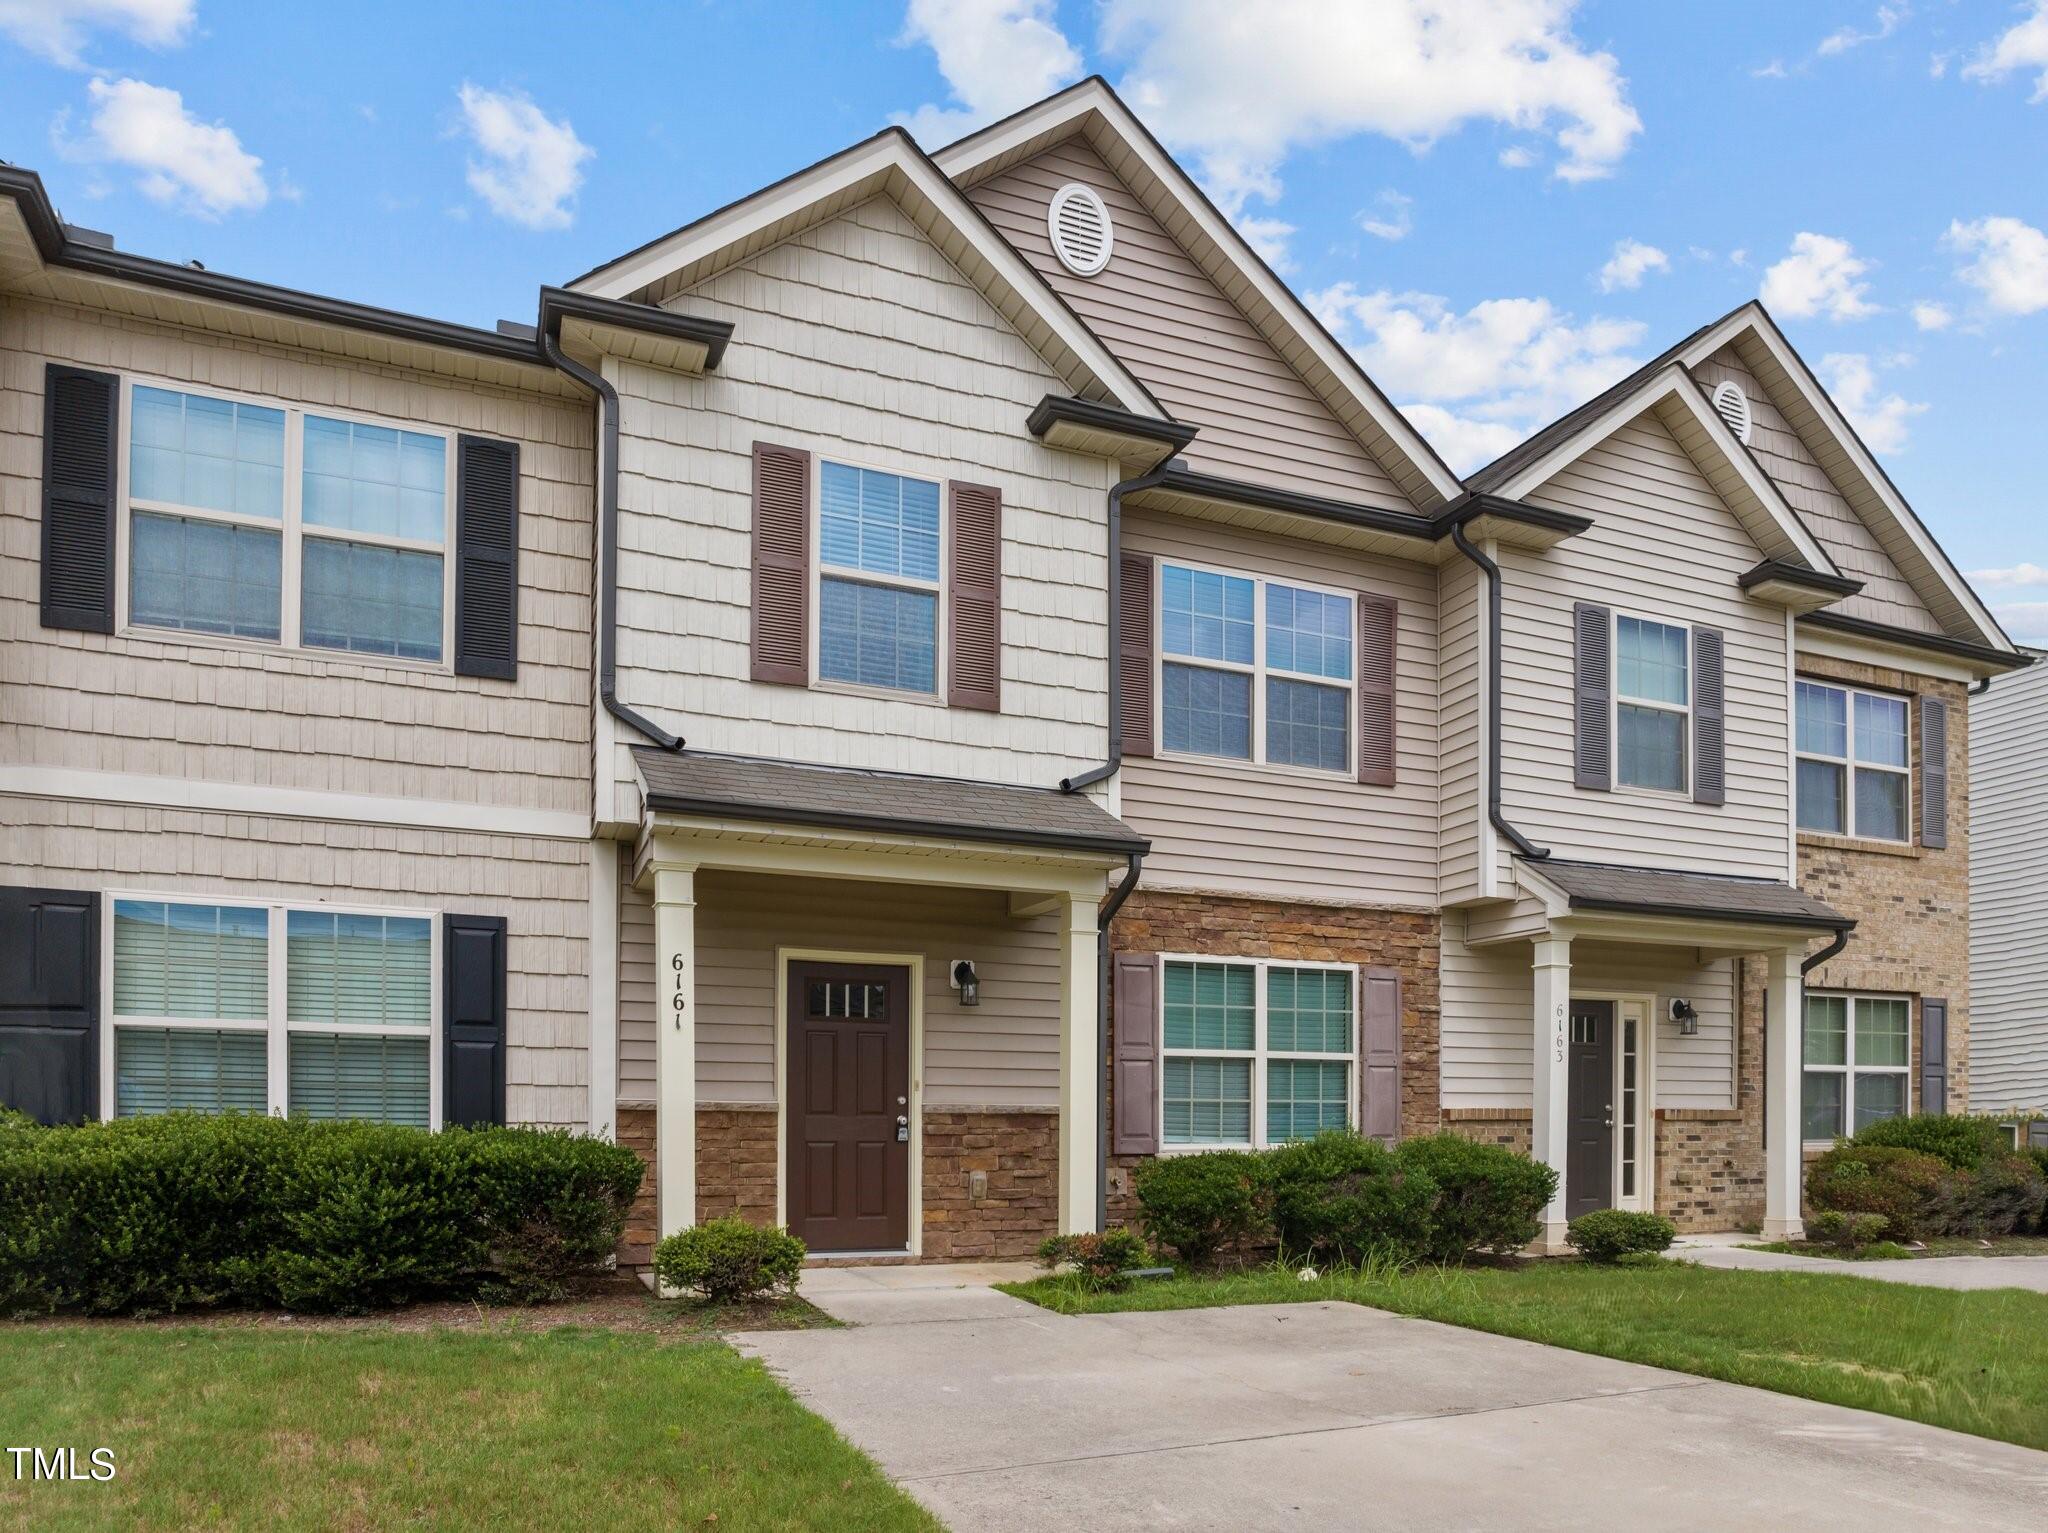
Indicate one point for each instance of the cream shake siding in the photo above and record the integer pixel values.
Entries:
(2009, 893)
(1461, 725)
(1003, 1053)
(856, 340)
(1886, 596)
(1275, 832)
(1663, 546)
(1489, 1023)
(1187, 342)
(541, 887)
(162, 704)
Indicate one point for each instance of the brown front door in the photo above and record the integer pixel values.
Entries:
(849, 1106)
(1589, 1114)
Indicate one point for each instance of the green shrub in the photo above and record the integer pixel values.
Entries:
(2038, 1154)
(187, 1211)
(1849, 1232)
(730, 1260)
(1950, 1138)
(1611, 1234)
(1102, 1262)
(1912, 1190)
(2002, 1196)
(1341, 1197)
(1489, 1198)
(1201, 1204)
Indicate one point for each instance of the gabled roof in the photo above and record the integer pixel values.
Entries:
(1093, 111)
(889, 164)
(1668, 389)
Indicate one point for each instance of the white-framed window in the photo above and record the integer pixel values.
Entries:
(1255, 670)
(1255, 1051)
(316, 530)
(1854, 755)
(880, 570)
(1652, 703)
(314, 1011)
(1859, 1055)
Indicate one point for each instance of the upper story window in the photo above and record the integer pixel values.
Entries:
(286, 526)
(878, 579)
(1652, 704)
(1858, 1056)
(1254, 670)
(1853, 757)
(1255, 1052)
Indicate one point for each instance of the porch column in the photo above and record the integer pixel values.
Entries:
(675, 1045)
(1081, 1067)
(1784, 1032)
(1549, 1095)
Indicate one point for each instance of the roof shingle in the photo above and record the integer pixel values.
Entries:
(1651, 891)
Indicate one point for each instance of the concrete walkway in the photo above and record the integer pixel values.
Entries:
(1004, 1417)
(1964, 1272)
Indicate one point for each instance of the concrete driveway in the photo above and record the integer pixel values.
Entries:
(1001, 1416)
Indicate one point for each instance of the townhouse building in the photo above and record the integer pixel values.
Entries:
(940, 680)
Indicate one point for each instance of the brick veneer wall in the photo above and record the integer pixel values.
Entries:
(1510, 1126)
(1171, 921)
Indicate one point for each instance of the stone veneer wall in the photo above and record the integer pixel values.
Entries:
(1221, 926)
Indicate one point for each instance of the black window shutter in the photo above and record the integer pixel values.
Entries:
(1933, 1055)
(1592, 683)
(50, 1004)
(472, 1019)
(486, 558)
(1709, 718)
(81, 420)
(1933, 773)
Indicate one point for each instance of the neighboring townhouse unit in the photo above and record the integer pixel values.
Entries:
(999, 695)
(2009, 896)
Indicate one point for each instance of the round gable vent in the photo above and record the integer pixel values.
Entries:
(1080, 229)
(1733, 407)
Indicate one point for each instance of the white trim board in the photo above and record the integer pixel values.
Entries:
(289, 803)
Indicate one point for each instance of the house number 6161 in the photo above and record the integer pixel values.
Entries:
(678, 1002)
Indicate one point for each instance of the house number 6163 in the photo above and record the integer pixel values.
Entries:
(678, 1002)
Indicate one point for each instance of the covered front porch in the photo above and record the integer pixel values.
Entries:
(1643, 1038)
(876, 1004)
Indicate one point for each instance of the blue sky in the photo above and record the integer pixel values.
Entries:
(1500, 208)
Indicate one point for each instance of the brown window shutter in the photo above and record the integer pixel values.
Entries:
(1379, 1011)
(1592, 694)
(1709, 717)
(1933, 773)
(1134, 1083)
(782, 564)
(974, 620)
(1933, 1055)
(1379, 621)
(1134, 652)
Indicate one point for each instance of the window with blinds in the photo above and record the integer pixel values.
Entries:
(251, 1008)
(1255, 1052)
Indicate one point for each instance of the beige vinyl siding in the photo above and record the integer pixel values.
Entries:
(541, 887)
(1171, 326)
(1003, 1053)
(175, 706)
(1886, 596)
(1662, 546)
(1236, 828)
(857, 340)
(2008, 805)
(1461, 724)
(1489, 1024)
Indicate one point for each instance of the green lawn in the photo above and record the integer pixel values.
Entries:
(1976, 1362)
(1886, 1250)
(241, 1425)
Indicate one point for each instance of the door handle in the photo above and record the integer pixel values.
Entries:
(901, 1119)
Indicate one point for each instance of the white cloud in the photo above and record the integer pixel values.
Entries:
(198, 167)
(1883, 25)
(530, 165)
(996, 55)
(1240, 87)
(1479, 381)
(1631, 262)
(1391, 216)
(2011, 262)
(1929, 315)
(1268, 238)
(2023, 47)
(1738, 257)
(1822, 275)
(1774, 70)
(1879, 418)
(57, 29)
(2017, 575)
(2026, 621)
(1517, 157)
